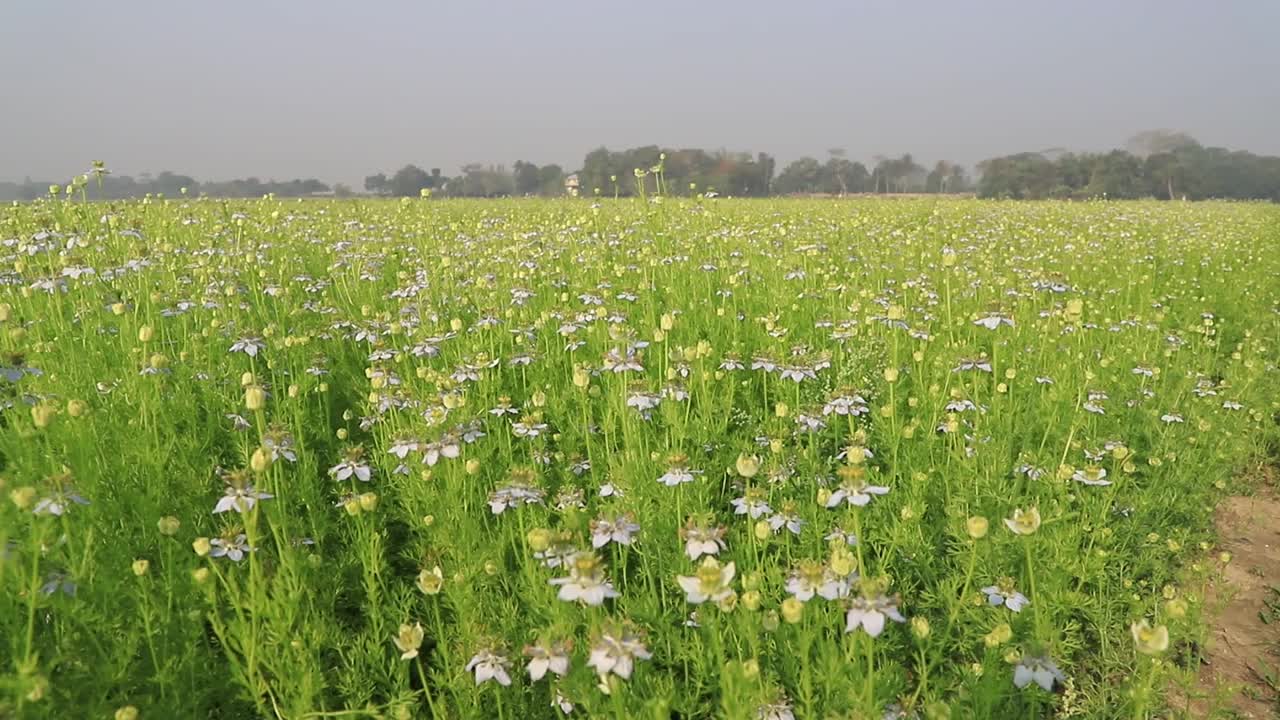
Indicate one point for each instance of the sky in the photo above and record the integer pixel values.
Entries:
(338, 90)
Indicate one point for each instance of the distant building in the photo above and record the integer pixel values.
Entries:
(571, 185)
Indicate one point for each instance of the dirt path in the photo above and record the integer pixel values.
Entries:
(1243, 643)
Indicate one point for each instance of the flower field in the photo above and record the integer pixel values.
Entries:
(655, 458)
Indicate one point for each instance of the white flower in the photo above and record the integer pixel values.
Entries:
(815, 578)
(241, 499)
(870, 614)
(561, 703)
(586, 582)
(993, 321)
(1092, 475)
(1003, 593)
(348, 468)
(1043, 670)
(711, 582)
(403, 446)
(615, 651)
(546, 656)
(514, 494)
(702, 540)
(619, 529)
(855, 491)
(447, 447)
(489, 665)
(752, 504)
(677, 475)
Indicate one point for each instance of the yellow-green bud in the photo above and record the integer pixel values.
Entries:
(747, 465)
(539, 539)
(792, 610)
(261, 460)
(255, 398)
(42, 414)
(977, 527)
(23, 497)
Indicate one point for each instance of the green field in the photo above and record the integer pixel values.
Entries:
(674, 459)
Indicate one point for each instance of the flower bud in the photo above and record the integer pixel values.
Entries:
(920, 627)
(77, 408)
(770, 621)
(43, 413)
(539, 539)
(168, 525)
(747, 465)
(261, 460)
(977, 527)
(751, 600)
(762, 530)
(430, 582)
(255, 398)
(843, 562)
(792, 610)
(368, 501)
(201, 546)
(23, 497)
(891, 375)
(128, 712)
(145, 333)
(473, 466)
(140, 567)
(200, 575)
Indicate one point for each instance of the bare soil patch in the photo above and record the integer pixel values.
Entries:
(1241, 663)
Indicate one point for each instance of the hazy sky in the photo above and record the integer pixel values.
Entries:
(341, 89)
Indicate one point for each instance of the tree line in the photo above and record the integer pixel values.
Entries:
(105, 186)
(1157, 163)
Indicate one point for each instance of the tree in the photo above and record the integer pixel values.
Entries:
(409, 181)
(526, 177)
(801, 176)
(377, 184)
(834, 169)
(550, 180)
(1156, 142)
